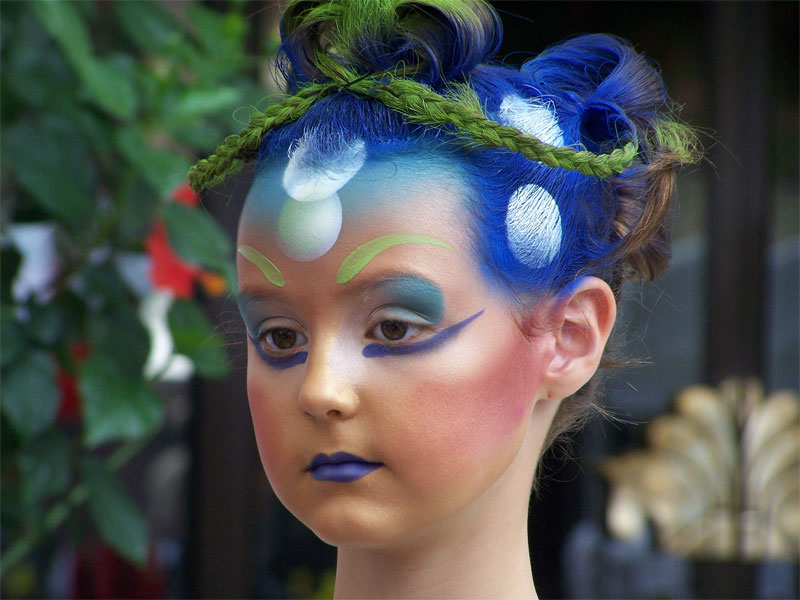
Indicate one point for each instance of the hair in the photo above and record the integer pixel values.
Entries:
(536, 228)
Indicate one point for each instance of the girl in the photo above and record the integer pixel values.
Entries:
(429, 261)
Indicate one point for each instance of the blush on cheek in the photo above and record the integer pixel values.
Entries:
(484, 408)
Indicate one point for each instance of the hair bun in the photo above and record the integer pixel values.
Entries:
(433, 41)
(604, 126)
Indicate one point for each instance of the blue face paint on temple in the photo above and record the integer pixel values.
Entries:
(417, 295)
(432, 343)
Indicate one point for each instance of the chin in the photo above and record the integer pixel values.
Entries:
(351, 524)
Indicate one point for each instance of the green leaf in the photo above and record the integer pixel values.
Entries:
(44, 465)
(103, 286)
(10, 260)
(217, 31)
(136, 209)
(65, 24)
(30, 395)
(195, 337)
(196, 237)
(163, 169)
(50, 160)
(46, 323)
(95, 129)
(200, 102)
(117, 518)
(12, 338)
(35, 68)
(110, 87)
(121, 337)
(151, 27)
(115, 407)
(222, 37)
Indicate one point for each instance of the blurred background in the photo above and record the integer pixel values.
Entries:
(129, 467)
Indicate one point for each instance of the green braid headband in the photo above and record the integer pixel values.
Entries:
(418, 104)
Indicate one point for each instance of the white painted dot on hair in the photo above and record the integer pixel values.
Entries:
(307, 230)
(533, 226)
(531, 117)
(308, 181)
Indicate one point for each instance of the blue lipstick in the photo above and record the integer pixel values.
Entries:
(341, 467)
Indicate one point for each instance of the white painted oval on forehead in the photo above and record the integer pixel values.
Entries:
(532, 118)
(308, 181)
(533, 226)
(307, 230)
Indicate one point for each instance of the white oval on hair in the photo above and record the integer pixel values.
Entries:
(307, 180)
(531, 117)
(307, 230)
(533, 226)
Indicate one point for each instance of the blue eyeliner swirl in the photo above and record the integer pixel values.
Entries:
(433, 342)
(279, 362)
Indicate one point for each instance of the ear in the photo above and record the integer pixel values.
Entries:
(580, 320)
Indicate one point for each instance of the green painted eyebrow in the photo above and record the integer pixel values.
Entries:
(360, 257)
(265, 265)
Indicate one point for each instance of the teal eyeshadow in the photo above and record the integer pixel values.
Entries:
(251, 313)
(416, 294)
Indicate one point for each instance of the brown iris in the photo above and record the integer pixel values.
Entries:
(283, 338)
(393, 330)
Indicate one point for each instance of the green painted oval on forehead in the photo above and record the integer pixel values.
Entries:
(360, 257)
(265, 265)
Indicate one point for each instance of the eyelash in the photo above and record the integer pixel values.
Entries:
(267, 342)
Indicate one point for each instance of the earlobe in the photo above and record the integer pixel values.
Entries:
(581, 320)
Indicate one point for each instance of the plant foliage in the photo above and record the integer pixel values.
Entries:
(105, 106)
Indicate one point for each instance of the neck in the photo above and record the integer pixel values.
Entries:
(490, 561)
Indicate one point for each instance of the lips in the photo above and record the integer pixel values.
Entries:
(341, 467)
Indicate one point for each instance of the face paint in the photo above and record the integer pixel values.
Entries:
(432, 343)
(265, 265)
(418, 294)
(532, 118)
(360, 257)
(311, 219)
(533, 221)
(278, 362)
(533, 226)
(457, 393)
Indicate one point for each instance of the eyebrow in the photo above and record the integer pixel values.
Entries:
(265, 265)
(361, 256)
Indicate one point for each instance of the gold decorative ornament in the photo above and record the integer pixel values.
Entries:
(720, 478)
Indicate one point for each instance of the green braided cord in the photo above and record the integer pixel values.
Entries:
(230, 156)
(421, 105)
(417, 103)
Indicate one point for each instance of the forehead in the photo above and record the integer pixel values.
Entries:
(406, 215)
(400, 185)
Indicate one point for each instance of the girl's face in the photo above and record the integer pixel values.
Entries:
(390, 387)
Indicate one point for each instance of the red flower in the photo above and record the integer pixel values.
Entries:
(184, 194)
(70, 405)
(168, 270)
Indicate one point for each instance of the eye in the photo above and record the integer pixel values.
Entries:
(395, 331)
(282, 338)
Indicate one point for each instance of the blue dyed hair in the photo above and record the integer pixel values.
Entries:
(600, 91)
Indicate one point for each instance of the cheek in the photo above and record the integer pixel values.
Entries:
(269, 424)
(480, 413)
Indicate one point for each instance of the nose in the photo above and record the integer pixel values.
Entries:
(327, 392)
